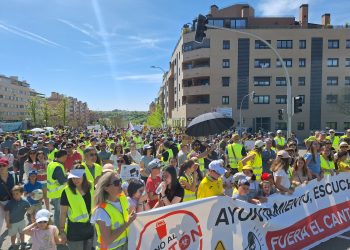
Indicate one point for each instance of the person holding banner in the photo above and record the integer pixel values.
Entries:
(313, 161)
(280, 169)
(300, 173)
(171, 192)
(211, 185)
(111, 216)
(342, 164)
(188, 179)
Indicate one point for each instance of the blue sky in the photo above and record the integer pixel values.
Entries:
(100, 51)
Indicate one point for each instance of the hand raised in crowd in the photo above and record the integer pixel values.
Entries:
(132, 217)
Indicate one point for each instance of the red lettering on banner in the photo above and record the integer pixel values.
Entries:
(311, 229)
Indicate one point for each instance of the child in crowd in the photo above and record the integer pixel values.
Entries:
(243, 190)
(44, 235)
(15, 210)
(29, 187)
(228, 182)
(265, 191)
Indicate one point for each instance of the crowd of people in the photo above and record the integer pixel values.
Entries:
(64, 187)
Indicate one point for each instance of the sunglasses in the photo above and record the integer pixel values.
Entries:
(92, 155)
(115, 183)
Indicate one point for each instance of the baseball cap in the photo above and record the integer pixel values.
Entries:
(283, 154)
(76, 173)
(31, 172)
(217, 167)
(265, 176)
(243, 182)
(155, 163)
(259, 144)
(147, 146)
(279, 131)
(331, 131)
(343, 144)
(4, 161)
(42, 215)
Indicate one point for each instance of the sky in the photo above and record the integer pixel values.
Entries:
(101, 51)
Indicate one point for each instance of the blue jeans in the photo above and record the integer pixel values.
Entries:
(56, 205)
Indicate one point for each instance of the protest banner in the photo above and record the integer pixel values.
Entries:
(316, 212)
(130, 172)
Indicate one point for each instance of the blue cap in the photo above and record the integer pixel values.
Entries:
(243, 182)
(31, 172)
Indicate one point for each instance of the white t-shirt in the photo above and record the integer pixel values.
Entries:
(285, 182)
(101, 215)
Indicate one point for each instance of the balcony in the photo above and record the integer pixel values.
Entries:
(196, 68)
(196, 86)
(196, 99)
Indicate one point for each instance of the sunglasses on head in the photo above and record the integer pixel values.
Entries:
(41, 222)
(115, 183)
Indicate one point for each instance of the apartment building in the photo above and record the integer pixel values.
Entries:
(226, 67)
(77, 112)
(14, 98)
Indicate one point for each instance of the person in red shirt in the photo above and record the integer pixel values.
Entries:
(72, 157)
(153, 182)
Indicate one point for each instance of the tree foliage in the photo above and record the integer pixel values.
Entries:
(156, 118)
(33, 105)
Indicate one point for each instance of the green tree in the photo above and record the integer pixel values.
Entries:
(62, 110)
(33, 105)
(46, 112)
(155, 119)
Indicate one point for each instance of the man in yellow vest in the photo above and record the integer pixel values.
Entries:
(199, 153)
(280, 140)
(234, 152)
(346, 137)
(52, 150)
(334, 139)
(254, 159)
(92, 170)
(56, 182)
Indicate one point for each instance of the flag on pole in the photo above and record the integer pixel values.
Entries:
(130, 127)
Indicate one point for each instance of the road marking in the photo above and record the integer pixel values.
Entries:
(344, 237)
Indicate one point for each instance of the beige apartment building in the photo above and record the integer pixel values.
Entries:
(77, 112)
(220, 72)
(14, 98)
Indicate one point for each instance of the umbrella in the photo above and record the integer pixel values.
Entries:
(37, 130)
(209, 124)
(49, 128)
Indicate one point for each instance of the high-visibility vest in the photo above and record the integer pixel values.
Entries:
(170, 155)
(200, 162)
(335, 141)
(234, 152)
(54, 188)
(189, 195)
(51, 155)
(77, 211)
(256, 164)
(98, 172)
(138, 141)
(81, 152)
(117, 220)
(280, 141)
(327, 166)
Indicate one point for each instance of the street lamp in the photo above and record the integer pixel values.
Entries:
(240, 110)
(200, 34)
(164, 72)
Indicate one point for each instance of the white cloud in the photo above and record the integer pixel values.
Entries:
(150, 78)
(280, 7)
(73, 26)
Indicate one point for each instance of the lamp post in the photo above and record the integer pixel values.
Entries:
(240, 111)
(164, 73)
(203, 22)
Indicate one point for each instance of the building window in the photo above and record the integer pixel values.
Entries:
(262, 63)
(302, 62)
(238, 23)
(333, 44)
(226, 63)
(261, 99)
(331, 99)
(281, 126)
(347, 80)
(348, 44)
(301, 81)
(225, 81)
(302, 44)
(261, 45)
(226, 44)
(281, 99)
(225, 100)
(346, 125)
(281, 81)
(300, 125)
(216, 22)
(347, 62)
(332, 80)
(331, 125)
(262, 81)
(333, 62)
(284, 44)
(287, 61)
(346, 98)
(187, 47)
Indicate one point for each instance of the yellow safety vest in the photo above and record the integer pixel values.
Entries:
(117, 220)
(200, 162)
(171, 155)
(77, 211)
(234, 152)
(327, 166)
(51, 155)
(54, 189)
(138, 141)
(98, 172)
(189, 195)
(256, 165)
(280, 141)
(335, 141)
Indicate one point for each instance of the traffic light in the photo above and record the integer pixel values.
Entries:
(201, 28)
(297, 103)
(280, 114)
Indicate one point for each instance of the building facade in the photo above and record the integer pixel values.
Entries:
(221, 72)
